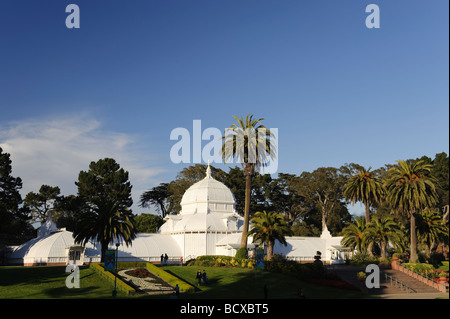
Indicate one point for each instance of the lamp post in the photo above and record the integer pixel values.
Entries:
(114, 293)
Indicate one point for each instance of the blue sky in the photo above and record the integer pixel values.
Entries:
(337, 91)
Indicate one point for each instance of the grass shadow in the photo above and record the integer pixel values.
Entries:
(193, 284)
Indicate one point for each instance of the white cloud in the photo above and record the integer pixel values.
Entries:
(54, 151)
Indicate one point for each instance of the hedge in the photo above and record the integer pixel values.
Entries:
(420, 268)
(171, 279)
(223, 261)
(109, 276)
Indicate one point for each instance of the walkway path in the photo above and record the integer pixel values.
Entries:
(386, 290)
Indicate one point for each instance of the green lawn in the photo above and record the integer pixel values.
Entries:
(50, 282)
(240, 283)
(224, 283)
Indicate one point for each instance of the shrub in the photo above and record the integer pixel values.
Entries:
(241, 253)
(419, 267)
(436, 259)
(222, 261)
(361, 275)
(302, 271)
(363, 259)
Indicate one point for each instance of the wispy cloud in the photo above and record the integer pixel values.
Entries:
(53, 152)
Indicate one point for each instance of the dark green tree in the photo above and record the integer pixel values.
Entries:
(284, 199)
(323, 188)
(148, 223)
(43, 204)
(105, 216)
(14, 226)
(158, 197)
(66, 210)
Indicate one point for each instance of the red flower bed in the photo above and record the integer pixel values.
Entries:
(140, 272)
(439, 280)
(340, 284)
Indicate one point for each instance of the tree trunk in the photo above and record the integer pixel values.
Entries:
(324, 221)
(413, 254)
(367, 215)
(383, 250)
(270, 245)
(103, 249)
(248, 188)
(367, 207)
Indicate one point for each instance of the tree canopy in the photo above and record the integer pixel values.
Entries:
(105, 215)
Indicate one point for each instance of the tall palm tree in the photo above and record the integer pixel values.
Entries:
(105, 222)
(410, 189)
(383, 231)
(253, 145)
(268, 227)
(366, 188)
(353, 236)
(430, 229)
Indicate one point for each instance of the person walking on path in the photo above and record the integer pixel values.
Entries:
(177, 291)
(162, 259)
(166, 259)
(204, 277)
(199, 277)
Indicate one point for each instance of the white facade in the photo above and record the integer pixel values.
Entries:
(207, 225)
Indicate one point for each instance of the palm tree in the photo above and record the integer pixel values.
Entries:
(253, 145)
(105, 223)
(410, 189)
(353, 236)
(430, 229)
(366, 188)
(383, 231)
(268, 227)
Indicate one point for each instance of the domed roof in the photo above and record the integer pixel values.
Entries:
(209, 191)
(208, 205)
(48, 246)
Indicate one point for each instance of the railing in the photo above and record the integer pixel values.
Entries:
(442, 287)
(301, 259)
(398, 283)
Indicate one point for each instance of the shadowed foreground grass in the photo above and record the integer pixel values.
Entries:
(224, 283)
(236, 283)
(50, 282)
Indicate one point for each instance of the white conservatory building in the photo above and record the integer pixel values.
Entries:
(207, 225)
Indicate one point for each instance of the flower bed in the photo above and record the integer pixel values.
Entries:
(427, 270)
(139, 272)
(144, 281)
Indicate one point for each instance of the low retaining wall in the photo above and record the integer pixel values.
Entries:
(442, 287)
